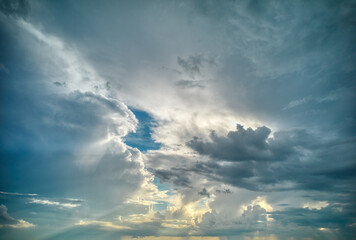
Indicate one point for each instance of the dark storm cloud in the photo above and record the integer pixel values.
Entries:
(248, 144)
(314, 172)
(327, 217)
(288, 160)
(335, 217)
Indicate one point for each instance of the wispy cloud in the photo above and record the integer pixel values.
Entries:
(297, 102)
(101, 224)
(67, 203)
(18, 194)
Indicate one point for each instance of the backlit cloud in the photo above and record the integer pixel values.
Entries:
(177, 119)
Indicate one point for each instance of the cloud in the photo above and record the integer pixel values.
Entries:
(176, 178)
(70, 86)
(18, 194)
(6, 221)
(204, 192)
(259, 161)
(192, 65)
(102, 224)
(316, 205)
(327, 217)
(82, 124)
(17, 8)
(170, 238)
(252, 145)
(186, 84)
(67, 203)
(297, 102)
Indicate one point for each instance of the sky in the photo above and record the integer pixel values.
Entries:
(177, 120)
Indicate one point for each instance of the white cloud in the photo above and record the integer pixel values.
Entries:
(101, 224)
(70, 204)
(297, 102)
(19, 194)
(316, 205)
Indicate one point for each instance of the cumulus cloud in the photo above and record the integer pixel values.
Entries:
(253, 145)
(256, 160)
(6, 221)
(79, 121)
(237, 146)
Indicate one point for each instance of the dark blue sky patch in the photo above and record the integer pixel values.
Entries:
(141, 139)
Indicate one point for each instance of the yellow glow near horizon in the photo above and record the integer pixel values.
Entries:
(171, 238)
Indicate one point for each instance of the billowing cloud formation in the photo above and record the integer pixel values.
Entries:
(256, 160)
(242, 145)
(195, 69)
(76, 128)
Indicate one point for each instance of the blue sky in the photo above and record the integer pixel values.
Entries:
(155, 120)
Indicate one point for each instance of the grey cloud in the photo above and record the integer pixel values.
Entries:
(253, 218)
(296, 222)
(254, 160)
(67, 121)
(5, 218)
(6, 221)
(272, 54)
(248, 144)
(186, 84)
(67, 134)
(17, 8)
(204, 192)
(192, 65)
(297, 102)
(60, 84)
(172, 176)
(255, 214)
(277, 59)
(225, 191)
(332, 217)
